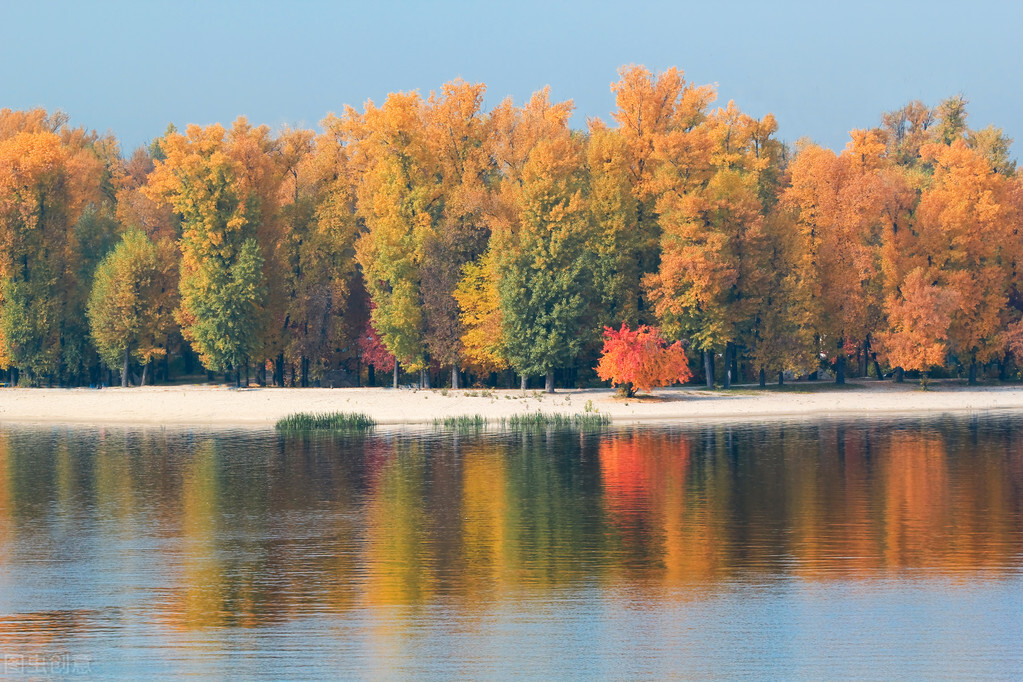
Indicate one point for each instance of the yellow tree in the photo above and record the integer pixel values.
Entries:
(620, 246)
(479, 303)
(222, 284)
(132, 302)
(460, 138)
(397, 199)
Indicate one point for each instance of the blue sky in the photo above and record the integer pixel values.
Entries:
(822, 68)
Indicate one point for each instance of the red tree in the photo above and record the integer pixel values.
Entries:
(641, 359)
(373, 351)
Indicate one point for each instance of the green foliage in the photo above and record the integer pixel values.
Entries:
(224, 302)
(327, 421)
(545, 266)
(28, 324)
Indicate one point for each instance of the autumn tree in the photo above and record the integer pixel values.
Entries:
(479, 303)
(460, 138)
(133, 298)
(966, 235)
(396, 199)
(653, 113)
(623, 250)
(541, 243)
(780, 339)
(641, 359)
(375, 354)
(919, 317)
(712, 273)
(49, 177)
(847, 207)
(222, 284)
(904, 131)
(318, 233)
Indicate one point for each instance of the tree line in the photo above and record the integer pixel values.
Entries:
(429, 235)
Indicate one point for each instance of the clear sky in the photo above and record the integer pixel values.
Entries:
(823, 68)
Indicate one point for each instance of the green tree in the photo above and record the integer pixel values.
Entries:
(544, 263)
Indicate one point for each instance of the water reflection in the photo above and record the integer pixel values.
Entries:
(378, 541)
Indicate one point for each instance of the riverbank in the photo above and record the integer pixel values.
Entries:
(261, 407)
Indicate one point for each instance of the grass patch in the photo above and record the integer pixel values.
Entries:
(469, 422)
(325, 421)
(528, 421)
(542, 420)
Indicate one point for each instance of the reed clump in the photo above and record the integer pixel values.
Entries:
(468, 422)
(555, 420)
(347, 422)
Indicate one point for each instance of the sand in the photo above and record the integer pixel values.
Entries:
(261, 407)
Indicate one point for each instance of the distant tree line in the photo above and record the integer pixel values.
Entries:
(429, 236)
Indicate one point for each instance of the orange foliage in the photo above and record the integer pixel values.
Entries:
(919, 321)
(641, 359)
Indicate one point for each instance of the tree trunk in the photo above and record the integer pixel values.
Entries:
(246, 372)
(763, 378)
(729, 351)
(900, 374)
(124, 370)
(303, 364)
(279, 371)
(781, 377)
(454, 375)
(371, 374)
(395, 373)
(736, 373)
(424, 378)
(877, 368)
(840, 369)
(525, 382)
(145, 371)
(237, 377)
(973, 372)
(549, 387)
(708, 367)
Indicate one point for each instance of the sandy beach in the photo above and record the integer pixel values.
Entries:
(261, 407)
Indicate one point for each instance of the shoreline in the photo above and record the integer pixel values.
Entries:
(260, 408)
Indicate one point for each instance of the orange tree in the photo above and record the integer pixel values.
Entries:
(641, 359)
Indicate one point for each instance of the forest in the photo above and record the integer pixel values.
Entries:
(429, 240)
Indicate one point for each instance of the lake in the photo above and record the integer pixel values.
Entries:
(795, 549)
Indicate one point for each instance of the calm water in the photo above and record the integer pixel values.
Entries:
(797, 549)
